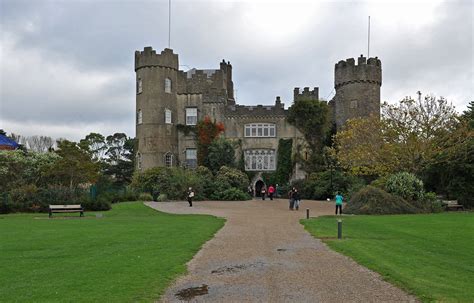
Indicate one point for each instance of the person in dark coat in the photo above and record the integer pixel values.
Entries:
(190, 196)
(296, 199)
(290, 197)
(263, 192)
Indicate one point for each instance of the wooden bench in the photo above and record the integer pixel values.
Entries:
(77, 208)
(452, 205)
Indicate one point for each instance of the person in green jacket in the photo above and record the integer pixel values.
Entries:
(339, 199)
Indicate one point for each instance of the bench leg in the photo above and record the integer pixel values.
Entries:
(82, 214)
(50, 213)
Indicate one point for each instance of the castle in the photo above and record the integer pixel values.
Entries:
(167, 97)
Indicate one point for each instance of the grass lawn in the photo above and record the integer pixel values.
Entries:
(131, 254)
(431, 256)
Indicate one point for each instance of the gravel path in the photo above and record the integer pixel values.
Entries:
(263, 254)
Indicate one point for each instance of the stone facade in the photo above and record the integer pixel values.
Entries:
(168, 97)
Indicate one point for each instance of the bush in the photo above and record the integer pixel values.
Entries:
(406, 186)
(318, 185)
(374, 201)
(233, 194)
(95, 205)
(145, 197)
(162, 198)
(234, 177)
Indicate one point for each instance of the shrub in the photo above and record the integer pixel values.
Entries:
(406, 186)
(162, 198)
(374, 201)
(233, 194)
(234, 177)
(145, 197)
(318, 185)
(94, 205)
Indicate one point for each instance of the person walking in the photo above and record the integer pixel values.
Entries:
(190, 196)
(290, 196)
(263, 192)
(296, 199)
(271, 191)
(339, 199)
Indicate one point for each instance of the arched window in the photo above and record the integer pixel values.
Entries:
(139, 161)
(168, 159)
(168, 85)
(260, 130)
(139, 117)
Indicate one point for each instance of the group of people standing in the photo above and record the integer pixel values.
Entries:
(295, 198)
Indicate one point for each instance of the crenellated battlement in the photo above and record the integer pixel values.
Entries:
(305, 94)
(149, 58)
(347, 71)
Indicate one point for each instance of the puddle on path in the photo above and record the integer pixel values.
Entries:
(189, 293)
(281, 249)
(236, 268)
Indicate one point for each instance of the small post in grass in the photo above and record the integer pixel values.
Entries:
(307, 213)
(339, 229)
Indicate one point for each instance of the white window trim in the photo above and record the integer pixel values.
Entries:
(191, 157)
(168, 85)
(168, 116)
(260, 160)
(189, 121)
(170, 159)
(258, 130)
(139, 86)
(139, 116)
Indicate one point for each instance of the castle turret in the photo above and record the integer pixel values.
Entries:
(156, 112)
(357, 89)
(306, 94)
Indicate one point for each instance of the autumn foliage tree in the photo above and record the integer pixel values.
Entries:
(406, 138)
(207, 131)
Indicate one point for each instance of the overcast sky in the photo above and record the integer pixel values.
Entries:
(67, 67)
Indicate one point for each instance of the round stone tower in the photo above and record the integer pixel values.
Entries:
(357, 89)
(156, 112)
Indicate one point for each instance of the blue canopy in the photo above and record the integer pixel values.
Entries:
(5, 141)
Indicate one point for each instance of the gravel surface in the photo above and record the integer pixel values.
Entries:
(263, 254)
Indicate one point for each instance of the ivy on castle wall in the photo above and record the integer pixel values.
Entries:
(186, 129)
(284, 164)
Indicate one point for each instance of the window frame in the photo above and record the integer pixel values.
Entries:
(188, 122)
(168, 159)
(139, 86)
(260, 130)
(139, 116)
(260, 160)
(168, 86)
(168, 116)
(191, 162)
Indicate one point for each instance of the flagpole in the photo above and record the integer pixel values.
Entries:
(368, 41)
(169, 23)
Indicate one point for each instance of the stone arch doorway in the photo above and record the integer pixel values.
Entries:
(258, 188)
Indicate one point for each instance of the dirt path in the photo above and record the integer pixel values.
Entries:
(263, 254)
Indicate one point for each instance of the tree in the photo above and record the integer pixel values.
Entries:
(311, 117)
(74, 167)
(95, 144)
(406, 139)
(40, 144)
(468, 115)
(120, 158)
(207, 131)
(220, 153)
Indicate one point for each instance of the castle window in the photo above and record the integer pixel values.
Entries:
(139, 117)
(168, 116)
(139, 161)
(191, 158)
(191, 116)
(139, 86)
(259, 160)
(168, 159)
(168, 85)
(260, 130)
(354, 104)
